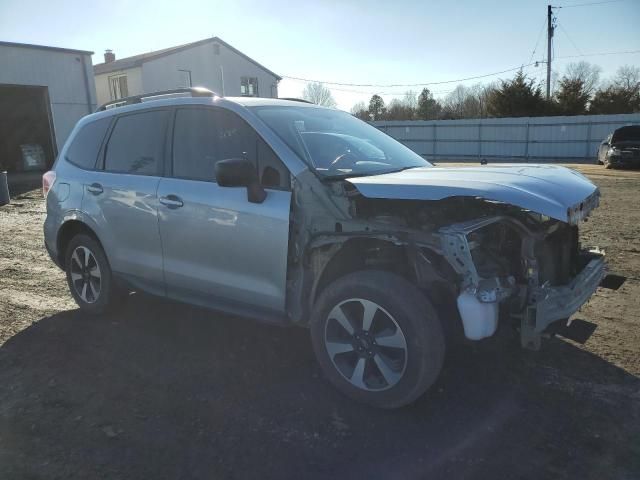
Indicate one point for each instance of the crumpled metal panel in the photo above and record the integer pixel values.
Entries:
(546, 189)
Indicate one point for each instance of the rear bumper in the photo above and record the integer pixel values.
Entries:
(560, 302)
(53, 255)
(50, 234)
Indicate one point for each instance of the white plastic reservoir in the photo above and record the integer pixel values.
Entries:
(479, 320)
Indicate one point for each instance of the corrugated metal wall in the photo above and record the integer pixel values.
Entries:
(62, 72)
(527, 139)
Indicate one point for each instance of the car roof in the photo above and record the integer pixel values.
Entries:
(169, 101)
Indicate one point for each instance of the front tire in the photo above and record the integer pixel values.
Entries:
(377, 338)
(89, 275)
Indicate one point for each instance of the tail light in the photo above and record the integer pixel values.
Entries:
(47, 182)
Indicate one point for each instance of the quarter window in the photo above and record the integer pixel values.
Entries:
(249, 86)
(84, 148)
(136, 144)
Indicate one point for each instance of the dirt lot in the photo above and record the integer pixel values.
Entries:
(162, 390)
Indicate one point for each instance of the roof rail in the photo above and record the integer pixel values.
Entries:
(291, 99)
(121, 102)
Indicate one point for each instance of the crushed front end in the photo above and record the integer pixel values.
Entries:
(526, 268)
(501, 245)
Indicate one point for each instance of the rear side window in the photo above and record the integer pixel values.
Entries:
(204, 136)
(85, 146)
(137, 143)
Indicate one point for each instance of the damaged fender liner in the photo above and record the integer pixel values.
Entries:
(557, 303)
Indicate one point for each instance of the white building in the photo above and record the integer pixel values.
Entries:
(210, 63)
(44, 91)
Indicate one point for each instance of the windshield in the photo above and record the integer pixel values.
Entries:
(336, 144)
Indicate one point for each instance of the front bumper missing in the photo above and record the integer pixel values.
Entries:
(560, 302)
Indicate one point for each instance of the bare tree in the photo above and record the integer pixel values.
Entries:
(360, 110)
(586, 73)
(317, 93)
(628, 78)
(467, 102)
(399, 110)
(410, 100)
(621, 96)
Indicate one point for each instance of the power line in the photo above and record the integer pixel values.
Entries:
(588, 4)
(537, 41)
(378, 92)
(408, 84)
(570, 40)
(622, 52)
(600, 54)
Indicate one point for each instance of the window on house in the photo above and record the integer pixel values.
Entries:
(249, 86)
(185, 79)
(118, 87)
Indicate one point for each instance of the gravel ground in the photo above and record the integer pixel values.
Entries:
(162, 390)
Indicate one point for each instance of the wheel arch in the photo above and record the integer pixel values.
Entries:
(67, 231)
(423, 267)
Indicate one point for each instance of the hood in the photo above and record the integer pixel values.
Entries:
(551, 190)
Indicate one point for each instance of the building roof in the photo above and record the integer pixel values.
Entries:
(137, 60)
(44, 47)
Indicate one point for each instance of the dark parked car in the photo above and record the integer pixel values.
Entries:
(621, 148)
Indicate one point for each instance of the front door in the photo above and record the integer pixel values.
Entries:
(219, 249)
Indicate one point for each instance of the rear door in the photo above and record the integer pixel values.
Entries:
(121, 198)
(220, 250)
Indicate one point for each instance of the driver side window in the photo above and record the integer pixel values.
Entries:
(204, 136)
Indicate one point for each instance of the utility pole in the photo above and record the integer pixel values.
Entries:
(549, 37)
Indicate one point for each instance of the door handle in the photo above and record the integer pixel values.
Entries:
(171, 201)
(95, 188)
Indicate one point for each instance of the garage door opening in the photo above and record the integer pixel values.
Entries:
(27, 142)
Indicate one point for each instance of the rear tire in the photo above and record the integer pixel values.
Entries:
(385, 338)
(89, 275)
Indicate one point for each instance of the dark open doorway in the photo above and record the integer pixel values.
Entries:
(27, 141)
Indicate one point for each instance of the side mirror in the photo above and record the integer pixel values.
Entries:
(240, 172)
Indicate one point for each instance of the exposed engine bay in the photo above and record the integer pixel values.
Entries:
(507, 259)
(496, 262)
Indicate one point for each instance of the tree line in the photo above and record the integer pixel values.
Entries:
(578, 92)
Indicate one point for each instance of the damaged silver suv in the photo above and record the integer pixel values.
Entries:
(300, 215)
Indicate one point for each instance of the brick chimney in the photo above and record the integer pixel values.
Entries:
(109, 56)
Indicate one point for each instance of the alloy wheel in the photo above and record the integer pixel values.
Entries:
(85, 274)
(366, 344)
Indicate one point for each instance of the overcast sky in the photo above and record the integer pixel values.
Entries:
(348, 41)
